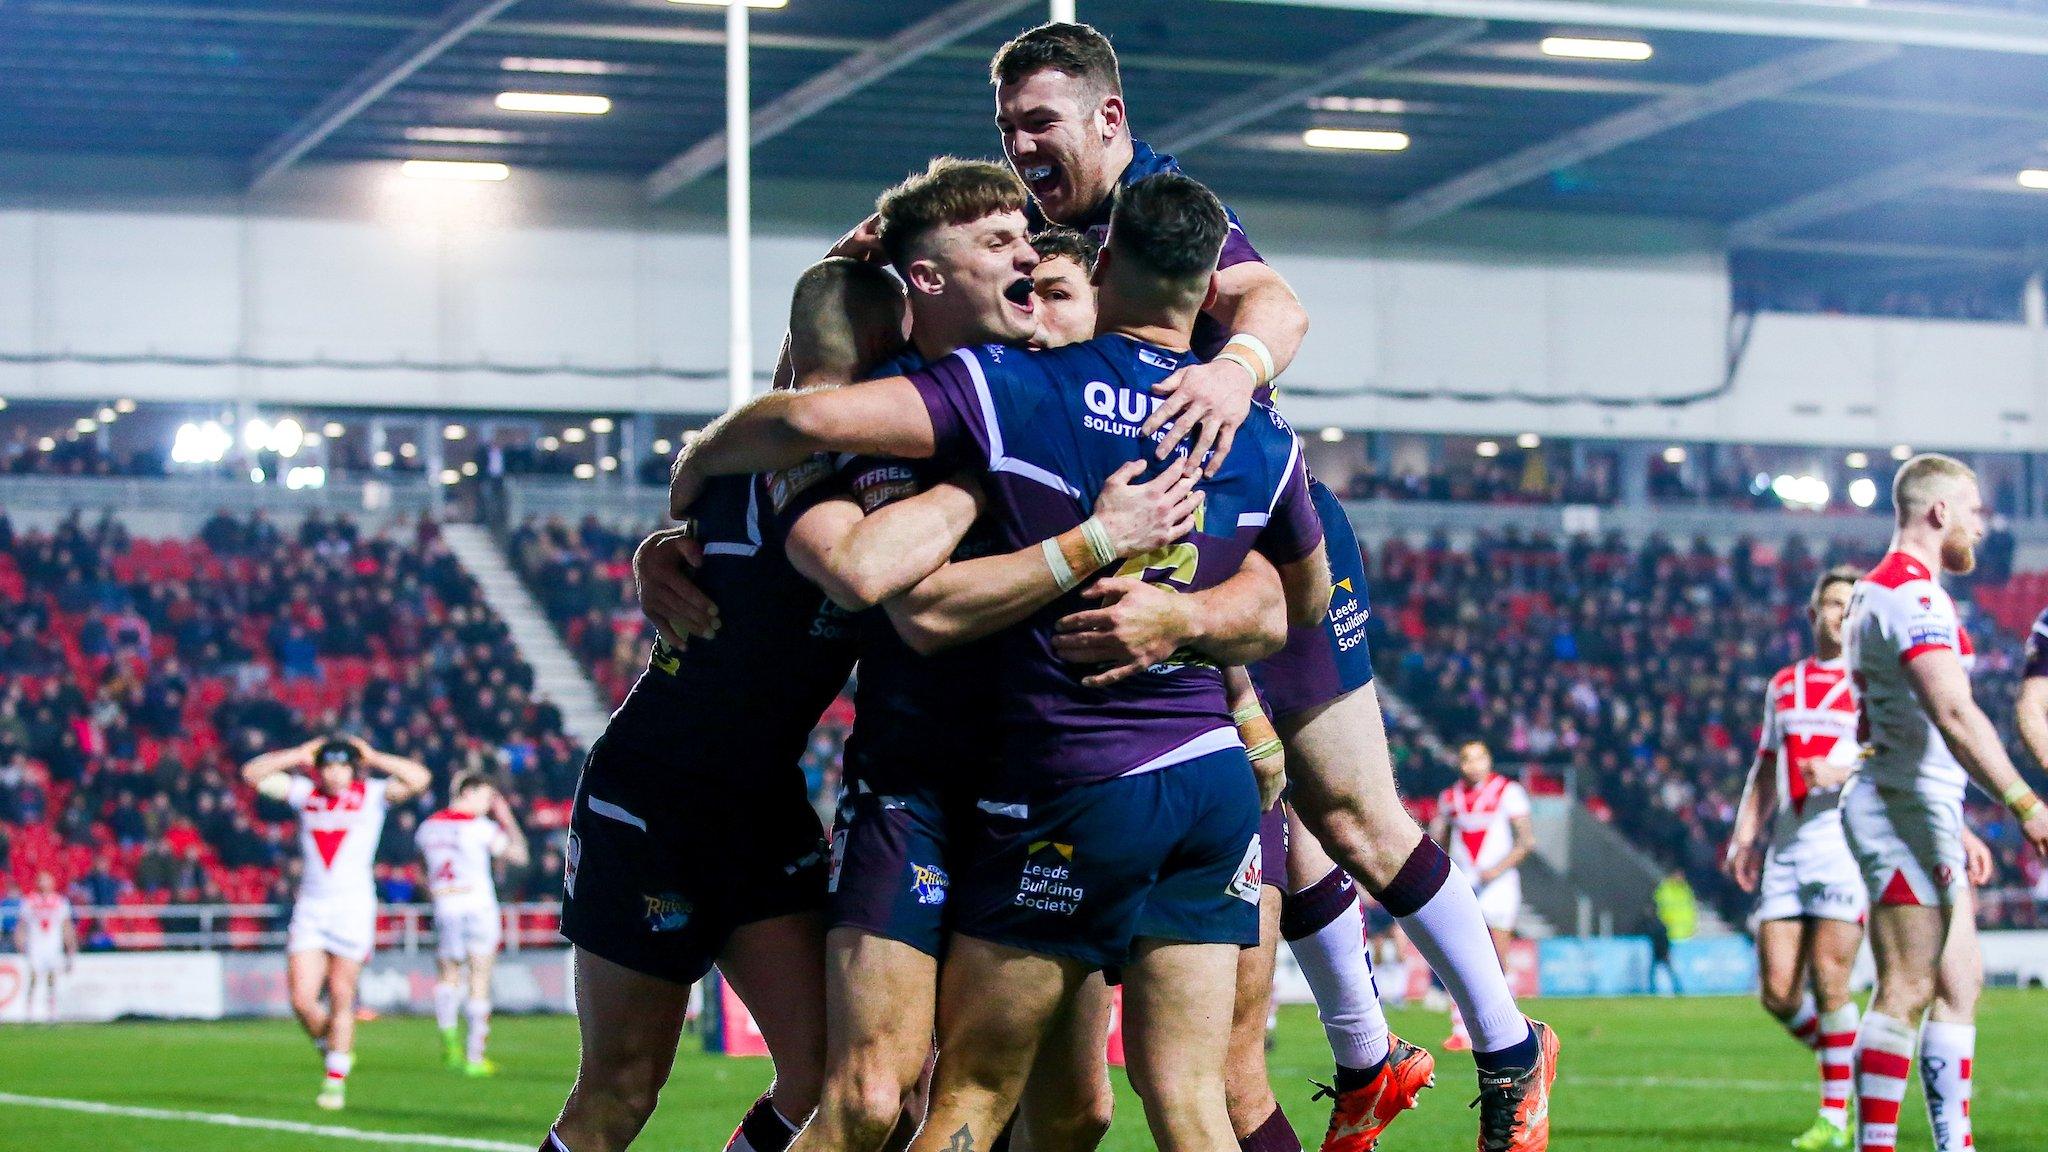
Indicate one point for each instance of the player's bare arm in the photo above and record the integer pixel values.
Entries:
(1524, 830)
(971, 599)
(1267, 323)
(2030, 715)
(516, 852)
(670, 600)
(1136, 624)
(408, 778)
(1743, 862)
(885, 417)
(861, 559)
(1261, 741)
(1938, 679)
(274, 765)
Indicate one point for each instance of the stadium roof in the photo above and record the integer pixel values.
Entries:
(1825, 130)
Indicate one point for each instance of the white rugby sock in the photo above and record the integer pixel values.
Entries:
(339, 1064)
(1946, 1053)
(1884, 1059)
(1451, 934)
(1837, 1062)
(1804, 1023)
(1334, 961)
(478, 1013)
(447, 1006)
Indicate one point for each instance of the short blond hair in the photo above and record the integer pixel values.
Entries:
(1925, 479)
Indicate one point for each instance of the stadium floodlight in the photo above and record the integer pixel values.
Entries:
(332, 430)
(3, 403)
(1333, 435)
(469, 468)
(2036, 178)
(573, 435)
(1488, 449)
(1857, 460)
(305, 476)
(381, 459)
(408, 450)
(609, 463)
(255, 475)
(661, 447)
(454, 432)
(206, 443)
(557, 65)
(431, 134)
(585, 472)
(450, 476)
(1902, 452)
(549, 444)
(602, 425)
(1675, 454)
(1801, 491)
(1863, 491)
(473, 170)
(1592, 48)
(46, 444)
(86, 426)
(559, 103)
(124, 406)
(107, 415)
(287, 436)
(1355, 140)
(312, 439)
(728, 3)
(1528, 440)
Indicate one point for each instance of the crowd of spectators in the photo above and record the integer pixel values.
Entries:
(137, 675)
(1634, 674)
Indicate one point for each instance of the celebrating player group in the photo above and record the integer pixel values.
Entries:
(1853, 817)
(1115, 721)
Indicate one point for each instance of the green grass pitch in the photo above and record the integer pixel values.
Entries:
(1704, 1075)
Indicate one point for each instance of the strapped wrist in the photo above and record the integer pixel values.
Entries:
(2021, 799)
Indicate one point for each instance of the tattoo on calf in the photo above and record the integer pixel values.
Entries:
(962, 1141)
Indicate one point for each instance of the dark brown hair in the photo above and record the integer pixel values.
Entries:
(1169, 225)
(949, 191)
(1075, 49)
(1839, 574)
(1058, 243)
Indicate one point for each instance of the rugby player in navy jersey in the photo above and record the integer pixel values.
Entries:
(918, 719)
(1118, 820)
(1066, 131)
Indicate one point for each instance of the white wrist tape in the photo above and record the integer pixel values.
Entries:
(1257, 348)
(1099, 545)
(1062, 572)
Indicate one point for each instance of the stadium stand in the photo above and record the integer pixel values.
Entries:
(1635, 675)
(136, 675)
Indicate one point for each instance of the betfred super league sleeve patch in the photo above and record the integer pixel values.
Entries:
(785, 486)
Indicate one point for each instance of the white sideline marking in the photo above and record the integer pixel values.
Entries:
(229, 1120)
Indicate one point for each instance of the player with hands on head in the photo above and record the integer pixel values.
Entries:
(341, 789)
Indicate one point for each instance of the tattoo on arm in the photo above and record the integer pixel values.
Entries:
(962, 1141)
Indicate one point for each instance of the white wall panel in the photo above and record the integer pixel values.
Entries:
(134, 281)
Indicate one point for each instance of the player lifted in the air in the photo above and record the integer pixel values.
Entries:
(48, 940)
(1903, 813)
(333, 930)
(1788, 846)
(1067, 132)
(1485, 819)
(460, 844)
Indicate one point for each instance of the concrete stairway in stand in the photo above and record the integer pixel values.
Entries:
(556, 672)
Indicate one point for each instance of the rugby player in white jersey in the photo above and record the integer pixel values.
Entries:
(1485, 820)
(48, 939)
(460, 844)
(1788, 847)
(1903, 813)
(341, 808)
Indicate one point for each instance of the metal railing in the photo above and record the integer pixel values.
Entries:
(237, 927)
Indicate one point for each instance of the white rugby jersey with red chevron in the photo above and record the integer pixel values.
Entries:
(1480, 815)
(338, 837)
(1810, 712)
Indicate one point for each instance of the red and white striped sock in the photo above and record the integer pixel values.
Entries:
(1804, 1023)
(1884, 1061)
(1837, 1062)
(1946, 1052)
